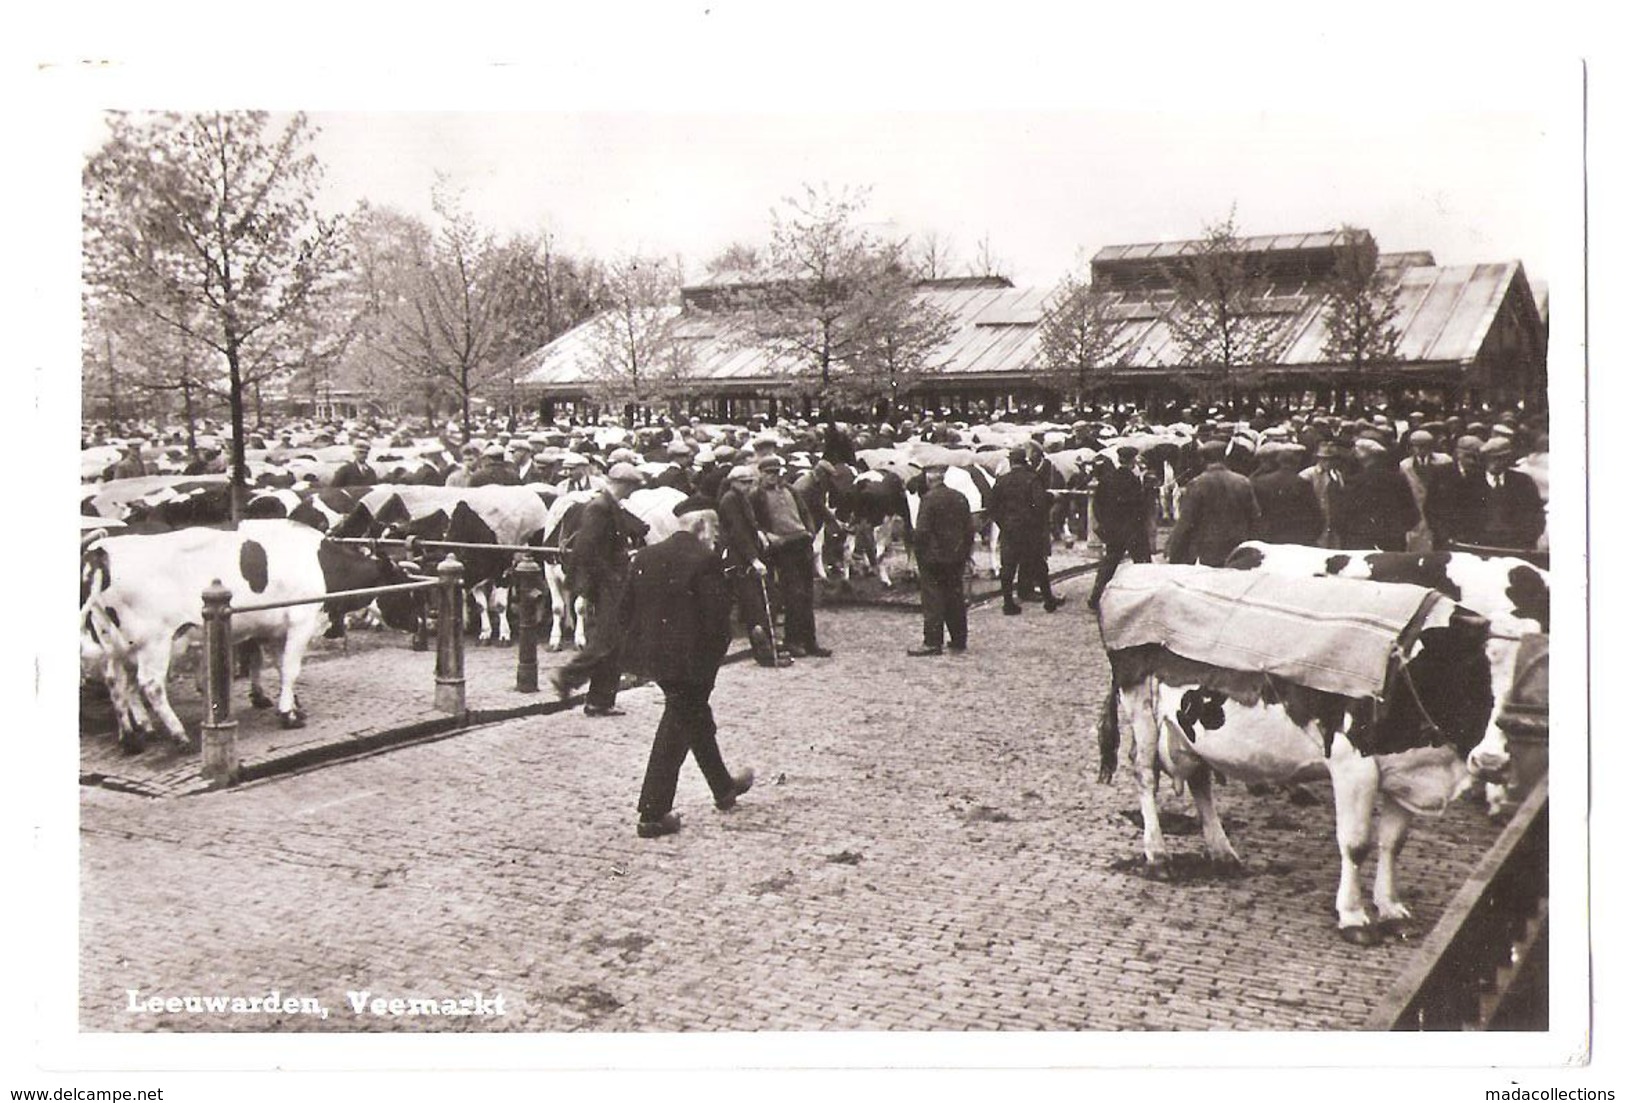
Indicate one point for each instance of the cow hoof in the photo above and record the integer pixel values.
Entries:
(133, 742)
(259, 700)
(1158, 871)
(1363, 935)
(293, 719)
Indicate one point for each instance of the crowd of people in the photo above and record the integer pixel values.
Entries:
(757, 493)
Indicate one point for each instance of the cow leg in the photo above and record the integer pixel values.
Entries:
(1139, 705)
(882, 545)
(1354, 791)
(819, 568)
(581, 614)
(288, 712)
(560, 606)
(152, 677)
(993, 550)
(1493, 757)
(496, 612)
(257, 697)
(1219, 850)
(1392, 914)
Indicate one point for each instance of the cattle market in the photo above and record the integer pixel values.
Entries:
(927, 840)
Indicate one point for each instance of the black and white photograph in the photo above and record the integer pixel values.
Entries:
(1027, 562)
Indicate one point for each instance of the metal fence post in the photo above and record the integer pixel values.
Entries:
(526, 573)
(220, 766)
(450, 689)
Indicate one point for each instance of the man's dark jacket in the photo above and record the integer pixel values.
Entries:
(943, 532)
(674, 618)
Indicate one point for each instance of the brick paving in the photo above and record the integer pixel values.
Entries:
(926, 849)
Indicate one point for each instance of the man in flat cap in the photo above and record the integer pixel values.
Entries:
(1456, 495)
(680, 474)
(597, 561)
(943, 537)
(1019, 503)
(1326, 478)
(1376, 509)
(357, 471)
(494, 468)
(1514, 516)
(787, 527)
(1122, 506)
(674, 622)
(744, 554)
(1418, 468)
(1217, 512)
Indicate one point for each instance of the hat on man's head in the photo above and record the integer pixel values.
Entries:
(678, 448)
(494, 450)
(625, 473)
(694, 503)
(725, 452)
(705, 455)
(742, 471)
(1422, 437)
(771, 462)
(1212, 449)
(573, 459)
(1469, 443)
(1366, 448)
(1496, 446)
(520, 444)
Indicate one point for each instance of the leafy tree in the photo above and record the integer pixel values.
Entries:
(206, 225)
(1078, 337)
(1362, 306)
(906, 331)
(833, 299)
(441, 307)
(636, 357)
(1219, 317)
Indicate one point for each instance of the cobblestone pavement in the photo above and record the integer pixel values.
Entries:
(926, 849)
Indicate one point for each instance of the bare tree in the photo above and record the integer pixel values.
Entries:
(206, 223)
(931, 256)
(986, 262)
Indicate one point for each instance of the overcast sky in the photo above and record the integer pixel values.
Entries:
(1042, 187)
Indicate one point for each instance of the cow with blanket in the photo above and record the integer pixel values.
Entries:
(1385, 688)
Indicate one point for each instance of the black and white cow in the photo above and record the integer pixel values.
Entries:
(1189, 720)
(138, 592)
(1512, 594)
(866, 507)
(655, 507)
(322, 508)
(508, 515)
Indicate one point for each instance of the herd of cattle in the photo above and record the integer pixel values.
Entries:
(153, 544)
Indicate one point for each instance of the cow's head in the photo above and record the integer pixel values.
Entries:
(1442, 696)
(347, 568)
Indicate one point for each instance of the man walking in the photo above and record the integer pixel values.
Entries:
(943, 534)
(675, 622)
(598, 559)
(1121, 505)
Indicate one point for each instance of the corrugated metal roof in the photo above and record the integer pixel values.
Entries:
(1444, 316)
(1262, 243)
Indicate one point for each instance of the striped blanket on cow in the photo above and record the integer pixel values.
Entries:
(1332, 634)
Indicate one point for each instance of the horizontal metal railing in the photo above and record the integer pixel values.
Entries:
(370, 591)
(414, 542)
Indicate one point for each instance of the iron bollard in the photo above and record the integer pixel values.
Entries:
(221, 766)
(526, 574)
(450, 688)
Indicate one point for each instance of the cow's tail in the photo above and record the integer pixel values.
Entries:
(1107, 735)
